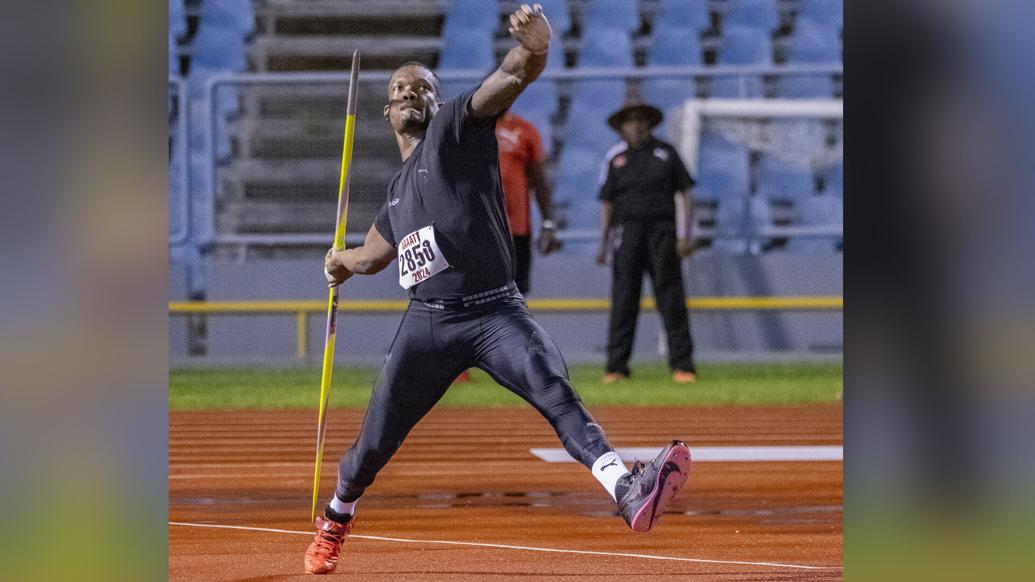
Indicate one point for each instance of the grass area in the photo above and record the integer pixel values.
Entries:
(273, 388)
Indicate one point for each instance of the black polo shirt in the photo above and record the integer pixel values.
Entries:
(451, 182)
(642, 181)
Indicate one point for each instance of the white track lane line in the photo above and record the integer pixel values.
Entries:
(526, 548)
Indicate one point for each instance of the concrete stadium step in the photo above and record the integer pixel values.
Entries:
(263, 217)
(306, 101)
(313, 138)
(334, 53)
(314, 178)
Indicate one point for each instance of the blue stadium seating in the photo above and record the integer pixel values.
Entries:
(742, 46)
(807, 87)
(734, 228)
(782, 181)
(600, 15)
(216, 49)
(177, 19)
(587, 127)
(464, 15)
(671, 47)
(559, 14)
(760, 14)
(814, 44)
(833, 179)
(828, 13)
(687, 14)
(722, 170)
(819, 210)
(237, 15)
(605, 48)
(471, 49)
(174, 55)
(811, 44)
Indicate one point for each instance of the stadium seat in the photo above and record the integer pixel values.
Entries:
(734, 229)
(587, 127)
(601, 15)
(671, 47)
(833, 179)
(471, 50)
(237, 15)
(820, 210)
(760, 14)
(827, 13)
(605, 48)
(216, 49)
(687, 14)
(559, 14)
(783, 181)
(807, 87)
(813, 44)
(579, 160)
(177, 19)
(539, 98)
(174, 55)
(481, 15)
(722, 170)
(742, 46)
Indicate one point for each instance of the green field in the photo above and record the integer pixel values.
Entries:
(274, 388)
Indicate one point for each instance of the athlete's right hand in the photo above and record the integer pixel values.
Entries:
(602, 255)
(334, 270)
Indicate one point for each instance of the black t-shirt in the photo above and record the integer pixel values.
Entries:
(641, 182)
(451, 181)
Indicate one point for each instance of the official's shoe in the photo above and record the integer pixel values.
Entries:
(612, 377)
(322, 555)
(683, 377)
(644, 493)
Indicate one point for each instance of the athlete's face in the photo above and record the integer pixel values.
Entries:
(412, 100)
(634, 128)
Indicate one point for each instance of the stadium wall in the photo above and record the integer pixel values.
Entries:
(364, 338)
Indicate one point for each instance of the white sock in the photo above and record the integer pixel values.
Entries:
(341, 507)
(608, 469)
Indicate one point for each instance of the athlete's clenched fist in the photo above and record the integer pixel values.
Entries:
(528, 25)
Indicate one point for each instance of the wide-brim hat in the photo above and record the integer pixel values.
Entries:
(653, 114)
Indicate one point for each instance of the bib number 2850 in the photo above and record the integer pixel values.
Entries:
(419, 257)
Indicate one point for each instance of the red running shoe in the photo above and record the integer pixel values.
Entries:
(322, 555)
(644, 493)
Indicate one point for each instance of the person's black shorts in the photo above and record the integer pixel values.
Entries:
(523, 261)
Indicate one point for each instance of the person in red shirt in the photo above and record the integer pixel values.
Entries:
(521, 168)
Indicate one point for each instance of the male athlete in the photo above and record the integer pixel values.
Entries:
(445, 222)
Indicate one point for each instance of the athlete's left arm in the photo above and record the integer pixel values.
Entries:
(520, 67)
(375, 254)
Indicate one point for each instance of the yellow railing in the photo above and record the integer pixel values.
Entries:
(302, 308)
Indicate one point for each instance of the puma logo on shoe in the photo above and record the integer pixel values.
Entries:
(611, 464)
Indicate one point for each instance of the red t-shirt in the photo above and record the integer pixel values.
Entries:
(520, 147)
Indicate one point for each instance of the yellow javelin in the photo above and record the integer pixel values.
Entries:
(332, 299)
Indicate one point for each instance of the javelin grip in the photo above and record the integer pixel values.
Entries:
(333, 294)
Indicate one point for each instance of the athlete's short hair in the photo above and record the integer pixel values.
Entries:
(438, 84)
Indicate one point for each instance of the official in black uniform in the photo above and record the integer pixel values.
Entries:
(646, 216)
(444, 220)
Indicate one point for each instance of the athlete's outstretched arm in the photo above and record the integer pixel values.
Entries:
(520, 67)
(375, 254)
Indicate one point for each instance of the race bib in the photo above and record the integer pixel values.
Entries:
(419, 257)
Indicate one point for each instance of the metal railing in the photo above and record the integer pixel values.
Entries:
(302, 309)
(207, 232)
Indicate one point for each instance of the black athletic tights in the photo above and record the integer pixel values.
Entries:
(433, 345)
